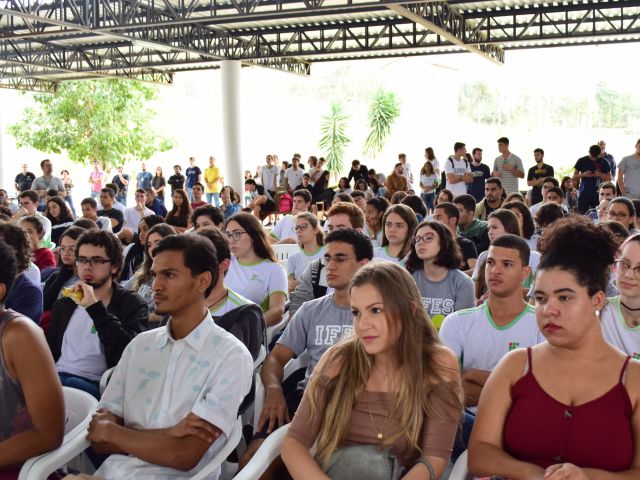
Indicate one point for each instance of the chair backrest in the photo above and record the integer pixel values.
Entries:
(229, 446)
(78, 406)
(267, 453)
(459, 471)
(285, 250)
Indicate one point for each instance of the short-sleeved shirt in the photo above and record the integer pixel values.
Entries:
(509, 180)
(132, 217)
(630, 165)
(176, 182)
(584, 164)
(383, 254)
(211, 173)
(270, 177)
(116, 214)
(468, 249)
(159, 380)
(257, 281)
(480, 173)
(429, 181)
(46, 184)
(24, 181)
(298, 262)
(294, 176)
(534, 260)
(454, 292)
(97, 177)
(616, 331)
(233, 301)
(192, 174)
(316, 326)
(459, 167)
(122, 188)
(376, 240)
(82, 353)
(284, 228)
(535, 173)
(144, 180)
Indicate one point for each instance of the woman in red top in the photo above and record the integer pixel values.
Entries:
(42, 257)
(568, 408)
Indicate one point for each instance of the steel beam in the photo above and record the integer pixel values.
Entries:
(30, 84)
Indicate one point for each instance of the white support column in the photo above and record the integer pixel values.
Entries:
(232, 167)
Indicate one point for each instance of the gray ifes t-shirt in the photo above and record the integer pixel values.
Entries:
(455, 292)
(315, 327)
(631, 167)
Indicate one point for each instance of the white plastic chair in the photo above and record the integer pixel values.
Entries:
(267, 453)
(460, 471)
(217, 461)
(79, 407)
(285, 250)
(104, 379)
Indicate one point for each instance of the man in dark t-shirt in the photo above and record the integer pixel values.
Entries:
(194, 175)
(24, 179)
(537, 174)
(590, 171)
(176, 181)
(481, 172)
(121, 181)
(107, 199)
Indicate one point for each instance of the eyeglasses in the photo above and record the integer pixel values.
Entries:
(93, 261)
(624, 267)
(428, 238)
(235, 235)
(617, 214)
(336, 258)
(301, 228)
(67, 249)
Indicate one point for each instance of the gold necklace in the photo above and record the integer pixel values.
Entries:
(380, 433)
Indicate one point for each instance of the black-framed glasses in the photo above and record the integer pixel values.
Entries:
(336, 258)
(301, 228)
(428, 238)
(623, 266)
(235, 235)
(92, 261)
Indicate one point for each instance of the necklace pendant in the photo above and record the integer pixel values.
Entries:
(379, 435)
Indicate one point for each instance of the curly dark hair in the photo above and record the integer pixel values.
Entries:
(449, 255)
(111, 244)
(17, 239)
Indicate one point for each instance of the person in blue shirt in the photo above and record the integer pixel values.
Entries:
(144, 178)
(194, 175)
(590, 171)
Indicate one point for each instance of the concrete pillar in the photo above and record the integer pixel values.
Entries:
(232, 165)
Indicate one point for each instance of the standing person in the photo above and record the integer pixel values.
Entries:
(457, 170)
(285, 165)
(428, 185)
(507, 166)
(406, 168)
(590, 171)
(212, 182)
(95, 179)
(158, 184)
(396, 181)
(493, 198)
(537, 174)
(398, 224)
(359, 171)
(293, 176)
(481, 173)
(32, 414)
(430, 156)
(629, 178)
(47, 182)
(24, 179)
(180, 215)
(144, 178)
(68, 188)
(434, 262)
(193, 175)
(401, 406)
(270, 176)
(314, 169)
(176, 181)
(608, 157)
(121, 181)
(540, 415)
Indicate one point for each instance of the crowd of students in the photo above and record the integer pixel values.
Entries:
(423, 317)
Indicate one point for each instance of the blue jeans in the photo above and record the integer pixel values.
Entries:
(122, 199)
(89, 386)
(462, 438)
(190, 194)
(428, 199)
(215, 197)
(69, 200)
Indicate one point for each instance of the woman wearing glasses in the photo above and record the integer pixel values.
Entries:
(311, 240)
(255, 272)
(398, 224)
(434, 262)
(620, 319)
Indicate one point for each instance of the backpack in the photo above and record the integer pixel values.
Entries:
(285, 203)
(316, 270)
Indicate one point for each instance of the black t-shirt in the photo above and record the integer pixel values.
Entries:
(480, 174)
(362, 173)
(158, 182)
(176, 182)
(536, 173)
(116, 214)
(584, 164)
(122, 188)
(469, 251)
(24, 180)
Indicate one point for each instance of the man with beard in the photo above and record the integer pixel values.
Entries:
(94, 322)
(493, 195)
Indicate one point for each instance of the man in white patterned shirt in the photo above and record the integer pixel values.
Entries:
(174, 396)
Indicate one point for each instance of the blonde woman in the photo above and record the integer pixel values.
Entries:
(389, 393)
(311, 240)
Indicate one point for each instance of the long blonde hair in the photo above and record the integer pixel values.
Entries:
(420, 377)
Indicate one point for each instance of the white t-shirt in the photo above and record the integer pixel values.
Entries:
(383, 254)
(284, 228)
(257, 281)
(459, 167)
(617, 332)
(82, 354)
(270, 177)
(233, 301)
(428, 180)
(534, 260)
(375, 242)
(298, 262)
(132, 217)
(294, 177)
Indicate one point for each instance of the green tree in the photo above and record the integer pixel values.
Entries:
(104, 120)
(383, 112)
(480, 102)
(334, 139)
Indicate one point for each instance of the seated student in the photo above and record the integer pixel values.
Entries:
(233, 312)
(527, 226)
(254, 271)
(230, 201)
(133, 216)
(116, 202)
(109, 210)
(152, 202)
(197, 191)
(207, 217)
(142, 280)
(470, 227)
(433, 261)
(313, 282)
(547, 184)
(60, 216)
(622, 210)
(42, 257)
(134, 253)
(493, 198)
(398, 225)
(373, 213)
(448, 214)
(180, 215)
(400, 407)
(606, 193)
(568, 408)
(284, 230)
(620, 318)
(66, 275)
(87, 335)
(316, 326)
(481, 336)
(415, 203)
(90, 210)
(29, 201)
(174, 396)
(32, 409)
(261, 203)
(26, 295)
(548, 214)
(311, 240)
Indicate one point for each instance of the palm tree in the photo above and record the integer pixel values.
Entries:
(383, 112)
(334, 139)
